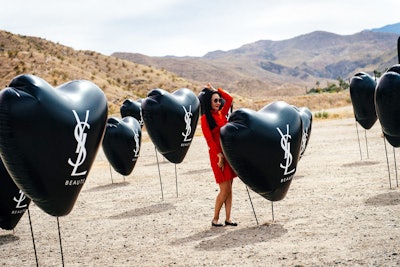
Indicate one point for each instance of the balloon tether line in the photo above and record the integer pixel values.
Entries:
(358, 137)
(387, 162)
(112, 181)
(59, 237)
(272, 210)
(176, 181)
(33, 238)
(251, 203)
(395, 166)
(366, 142)
(159, 174)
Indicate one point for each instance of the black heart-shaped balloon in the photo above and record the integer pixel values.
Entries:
(171, 121)
(133, 109)
(49, 138)
(387, 99)
(398, 49)
(306, 118)
(362, 93)
(264, 147)
(13, 202)
(121, 143)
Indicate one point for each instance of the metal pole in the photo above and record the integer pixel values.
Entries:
(272, 208)
(358, 137)
(159, 174)
(366, 142)
(33, 238)
(395, 166)
(251, 202)
(59, 236)
(387, 162)
(112, 181)
(176, 181)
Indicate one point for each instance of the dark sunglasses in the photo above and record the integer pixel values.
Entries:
(217, 100)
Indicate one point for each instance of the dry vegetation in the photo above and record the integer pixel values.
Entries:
(57, 64)
(119, 79)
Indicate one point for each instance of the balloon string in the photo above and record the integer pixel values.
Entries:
(59, 237)
(159, 174)
(395, 166)
(112, 181)
(358, 137)
(366, 143)
(272, 209)
(33, 238)
(251, 202)
(387, 161)
(176, 181)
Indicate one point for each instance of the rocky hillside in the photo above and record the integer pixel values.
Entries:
(119, 79)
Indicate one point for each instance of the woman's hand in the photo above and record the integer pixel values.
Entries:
(209, 86)
(221, 161)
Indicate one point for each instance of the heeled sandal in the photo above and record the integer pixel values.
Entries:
(216, 224)
(230, 223)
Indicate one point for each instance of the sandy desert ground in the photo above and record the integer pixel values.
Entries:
(342, 209)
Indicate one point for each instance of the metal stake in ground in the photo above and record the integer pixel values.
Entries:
(395, 166)
(176, 181)
(59, 236)
(358, 137)
(159, 174)
(111, 173)
(251, 202)
(387, 162)
(366, 142)
(272, 209)
(33, 238)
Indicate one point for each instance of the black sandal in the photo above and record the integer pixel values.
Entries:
(216, 224)
(230, 223)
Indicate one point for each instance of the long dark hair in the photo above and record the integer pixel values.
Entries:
(205, 105)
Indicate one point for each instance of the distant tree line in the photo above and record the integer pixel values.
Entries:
(341, 85)
(330, 87)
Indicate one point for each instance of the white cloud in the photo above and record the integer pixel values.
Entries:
(187, 27)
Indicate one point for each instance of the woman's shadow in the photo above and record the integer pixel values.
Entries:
(236, 238)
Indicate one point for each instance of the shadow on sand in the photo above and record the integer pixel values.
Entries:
(386, 199)
(157, 208)
(6, 239)
(108, 186)
(228, 239)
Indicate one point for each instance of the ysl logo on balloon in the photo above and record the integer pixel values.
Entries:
(20, 200)
(80, 137)
(137, 145)
(303, 142)
(141, 121)
(188, 121)
(285, 145)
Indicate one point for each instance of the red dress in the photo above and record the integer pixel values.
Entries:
(213, 139)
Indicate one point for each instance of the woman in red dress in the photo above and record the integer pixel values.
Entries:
(213, 116)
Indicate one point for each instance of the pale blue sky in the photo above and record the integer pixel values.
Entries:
(187, 27)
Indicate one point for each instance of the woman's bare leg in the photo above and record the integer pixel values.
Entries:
(224, 192)
(228, 204)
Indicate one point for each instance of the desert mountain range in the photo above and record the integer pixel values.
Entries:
(255, 73)
(288, 67)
